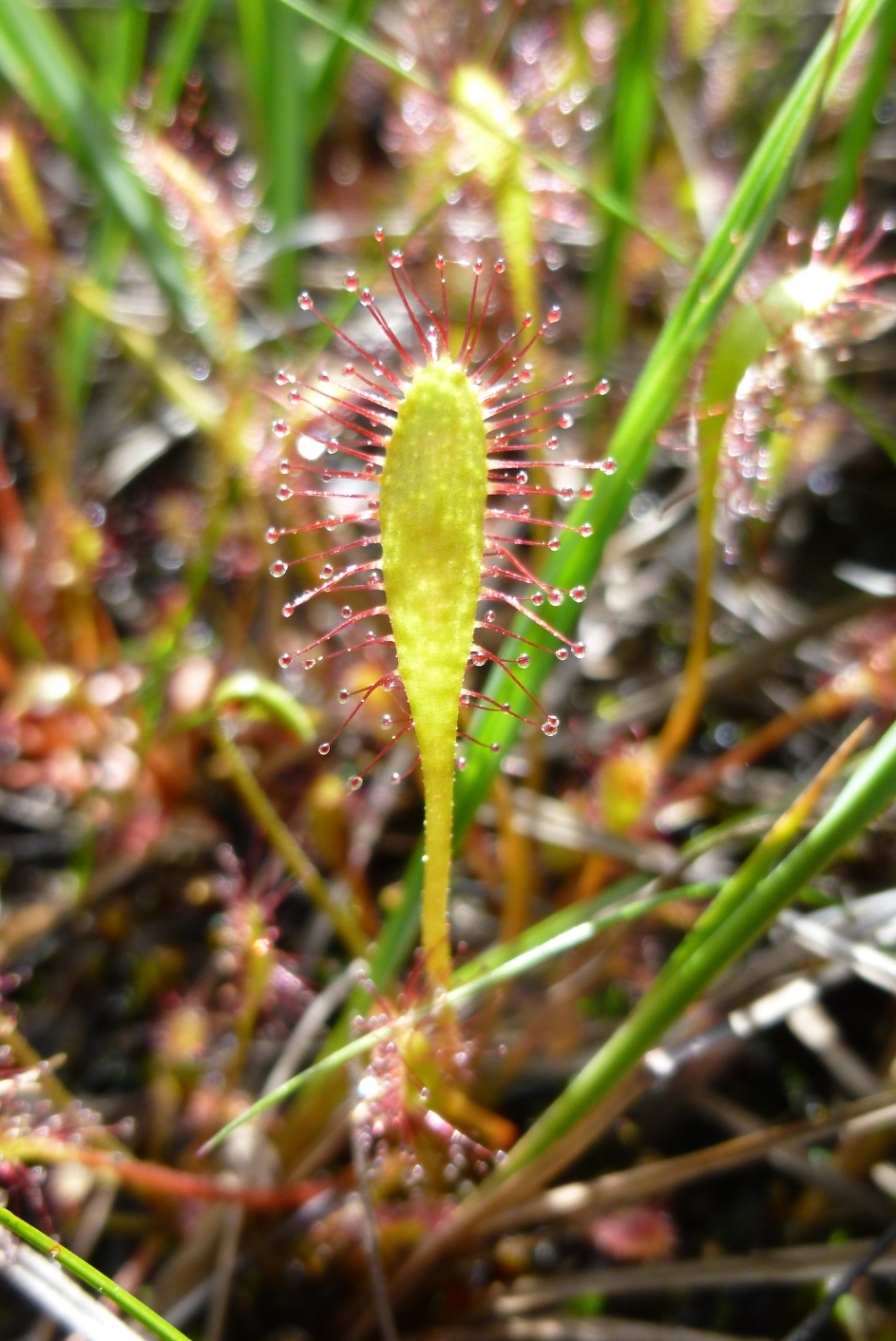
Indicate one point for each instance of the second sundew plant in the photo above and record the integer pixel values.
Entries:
(434, 457)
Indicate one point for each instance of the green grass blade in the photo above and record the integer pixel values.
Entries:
(855, 134)
(108, 1288)
(726, 255)
(46, 72)
(286, 139)
(120, 49)
(181, 41)
(252, 23)
(634, 111)
(123, 44)
(324, 87)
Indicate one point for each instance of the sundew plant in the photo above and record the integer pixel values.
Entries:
(463, 952)
(443, 449)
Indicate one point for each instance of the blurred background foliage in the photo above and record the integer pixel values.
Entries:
(188, 886)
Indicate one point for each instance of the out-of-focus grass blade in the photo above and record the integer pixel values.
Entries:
(634, 108)
(685, 333)
(286, 140)
(120, 47)
(39, 61)
(294, 83)
(252, 22)
(182, 38)
(859, 126)
(324, 88)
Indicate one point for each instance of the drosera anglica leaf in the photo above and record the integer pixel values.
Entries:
(450, 440)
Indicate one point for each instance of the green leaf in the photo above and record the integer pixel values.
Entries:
(267, 698)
